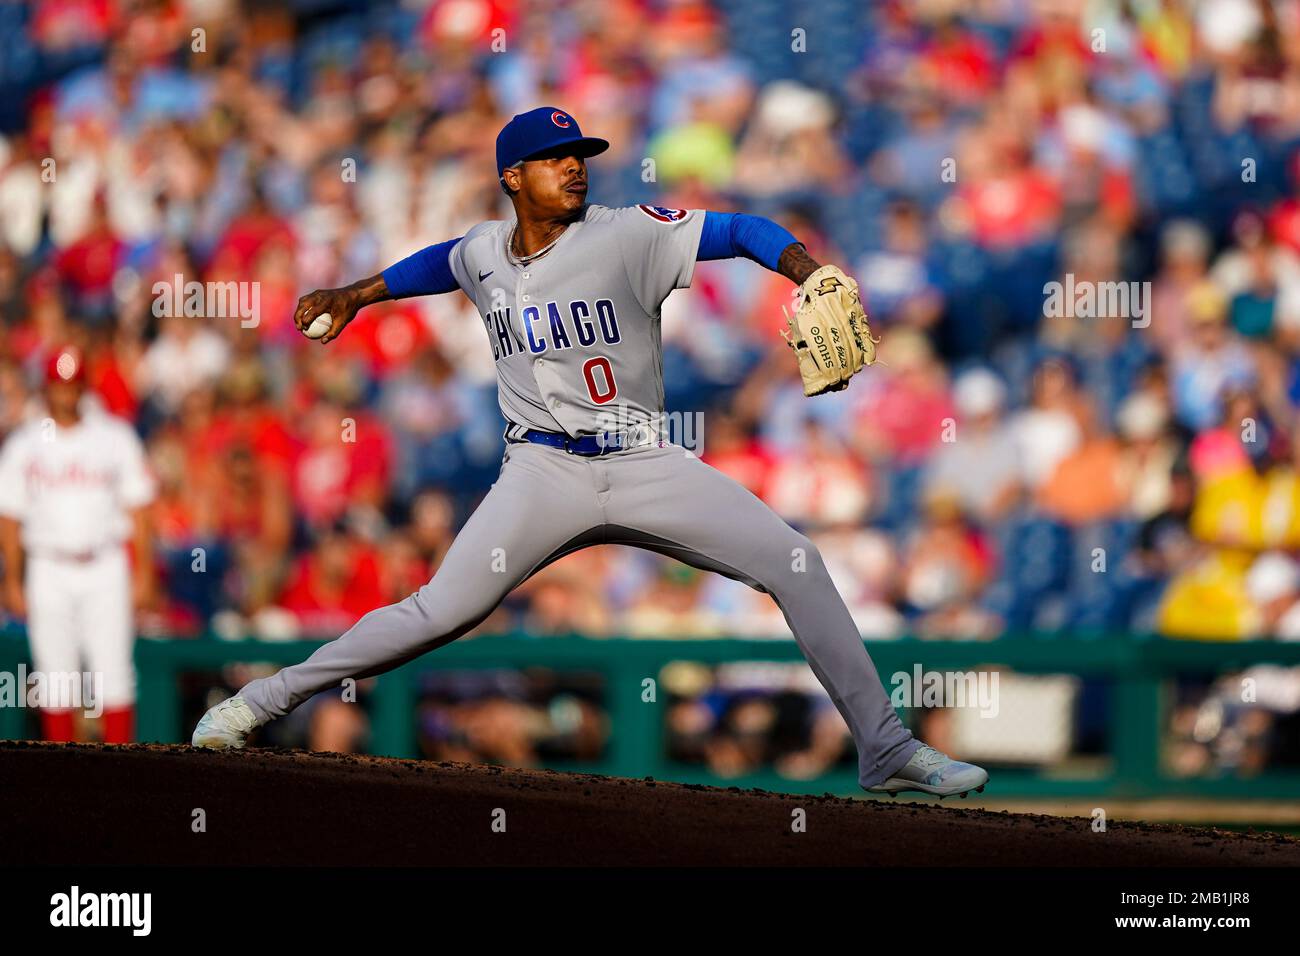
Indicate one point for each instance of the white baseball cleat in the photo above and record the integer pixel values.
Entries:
(225, 726)
(934, 772)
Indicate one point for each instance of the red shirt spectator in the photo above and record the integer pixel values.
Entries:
(1011, 210)
(343, 464)
(737, 455)
(245, 238)
(1053, 43)
(903, 418)
(65, 24)
(89, 264)
(259, 427)
(1284, 222)
(390, 336)
(106, 376)
(332, 587)
(464, 24)
(958, 64)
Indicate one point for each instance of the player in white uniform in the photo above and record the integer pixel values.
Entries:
(570, 297)
(73, 487)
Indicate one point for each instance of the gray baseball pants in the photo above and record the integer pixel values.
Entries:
(546, 504)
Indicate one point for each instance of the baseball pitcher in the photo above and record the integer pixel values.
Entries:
(570, 295)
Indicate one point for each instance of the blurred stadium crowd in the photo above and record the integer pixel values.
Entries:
(1003, 469)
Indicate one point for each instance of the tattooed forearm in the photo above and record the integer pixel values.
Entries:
(795, 263)
(369, 291)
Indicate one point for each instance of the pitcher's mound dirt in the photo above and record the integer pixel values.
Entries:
(92, 804)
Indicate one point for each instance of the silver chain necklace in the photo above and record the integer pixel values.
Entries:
(524, 260)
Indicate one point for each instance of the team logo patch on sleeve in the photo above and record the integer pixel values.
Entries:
(663, 213)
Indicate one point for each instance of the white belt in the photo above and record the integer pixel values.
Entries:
(73, 557)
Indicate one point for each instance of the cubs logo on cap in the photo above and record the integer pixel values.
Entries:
(537, 132)
(663, 213)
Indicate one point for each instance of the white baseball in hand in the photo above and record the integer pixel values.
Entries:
(319, 326)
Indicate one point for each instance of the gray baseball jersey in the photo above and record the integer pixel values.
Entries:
(573, 333)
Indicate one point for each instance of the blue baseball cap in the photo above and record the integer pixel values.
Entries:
(539, 131)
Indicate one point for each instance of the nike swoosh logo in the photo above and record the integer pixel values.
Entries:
(484, 275)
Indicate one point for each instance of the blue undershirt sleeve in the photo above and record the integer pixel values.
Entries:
(730, 234)
(427, 272)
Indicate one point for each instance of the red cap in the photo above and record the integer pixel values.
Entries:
(65, 364)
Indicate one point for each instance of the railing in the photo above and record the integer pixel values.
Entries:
(1137, 668)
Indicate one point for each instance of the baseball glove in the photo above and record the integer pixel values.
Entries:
(829, 332)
